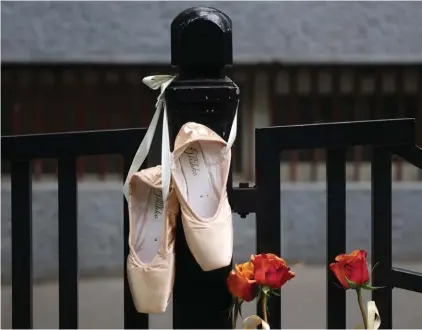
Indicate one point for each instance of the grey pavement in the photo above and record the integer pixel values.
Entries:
(303, 303)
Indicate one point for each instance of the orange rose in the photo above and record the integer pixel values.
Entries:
(353, 266)
(271, 270)
(241, 282)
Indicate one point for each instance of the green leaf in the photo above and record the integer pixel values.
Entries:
(266, 290)
(275, 293)
(339, 286)
(373, 268)
(240, 308)
(371, 288)
(236, 310)
(352, 285)
(259, 294)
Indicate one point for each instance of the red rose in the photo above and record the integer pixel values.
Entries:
(271, 270)
(241, 282)
(353, 266)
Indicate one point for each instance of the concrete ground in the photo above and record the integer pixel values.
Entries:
(303, 305)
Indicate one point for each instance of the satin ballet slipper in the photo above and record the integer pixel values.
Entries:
(150, 264)
(200, 169)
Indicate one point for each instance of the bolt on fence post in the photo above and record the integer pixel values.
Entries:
(201, 47)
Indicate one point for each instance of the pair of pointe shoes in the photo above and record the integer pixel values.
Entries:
(200, 167)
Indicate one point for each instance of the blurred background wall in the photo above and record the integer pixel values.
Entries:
(78, 66)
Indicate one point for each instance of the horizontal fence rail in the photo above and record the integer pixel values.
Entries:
(385, 138)
(411, 154)
(388, 132)
(31, 146)
(407, 279)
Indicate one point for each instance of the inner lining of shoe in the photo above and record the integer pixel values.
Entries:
(147, 220)
(200, 178)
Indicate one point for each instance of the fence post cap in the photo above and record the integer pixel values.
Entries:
(201, 37)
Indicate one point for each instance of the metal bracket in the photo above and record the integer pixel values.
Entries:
(244, 199)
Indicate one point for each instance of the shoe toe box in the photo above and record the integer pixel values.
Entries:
(211, 243)
(151, 285)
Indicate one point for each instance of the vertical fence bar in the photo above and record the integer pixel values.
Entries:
(335, 94)
(59, 119)
(315, 153)
(144, 115)
(80, 123)
(38, 165)
(21, 245)
(251, 77)
(272, 93)
(419, 115)
(378, 94)
(400, 113)
(16, 118)
(104, 120)
(41, 94)
(293, 118)
(132, 319)
(357, 150)
(124, 89)
(382, 233)
(268, 214)
(68, 243)
(336, 234)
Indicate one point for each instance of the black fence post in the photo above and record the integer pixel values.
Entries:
(201, 47)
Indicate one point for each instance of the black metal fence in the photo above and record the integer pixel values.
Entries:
(65, 147)
(386, 137)
(193, 95)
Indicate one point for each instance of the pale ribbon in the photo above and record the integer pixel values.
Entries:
(155, 82)
(373, 319)
(251, 322)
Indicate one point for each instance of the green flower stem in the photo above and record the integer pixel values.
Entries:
(234, 316)
(362, 309)
(234, 320)
(235, 313)
(264, 307)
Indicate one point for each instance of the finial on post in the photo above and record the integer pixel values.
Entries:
(201, 47)
(201, 42)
